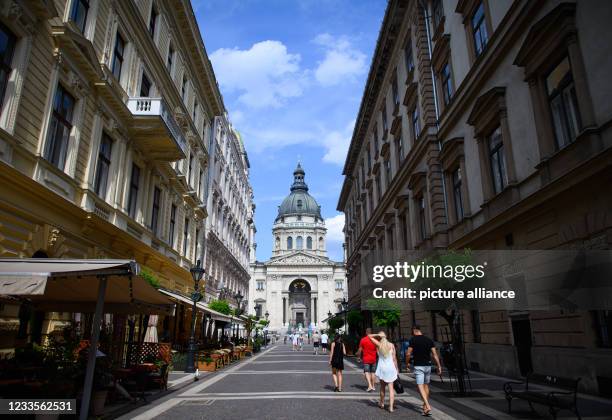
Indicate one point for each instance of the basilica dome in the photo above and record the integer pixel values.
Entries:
(299, 202)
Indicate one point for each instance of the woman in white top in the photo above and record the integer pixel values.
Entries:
(295, 339)
(386, 369)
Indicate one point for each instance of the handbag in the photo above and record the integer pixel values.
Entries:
(398, 387)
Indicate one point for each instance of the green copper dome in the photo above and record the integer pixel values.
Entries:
(299, 202)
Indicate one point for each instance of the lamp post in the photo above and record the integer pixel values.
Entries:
(238, 296)
(344, 308)
(197, 272)
(267, 315)
(256, 306)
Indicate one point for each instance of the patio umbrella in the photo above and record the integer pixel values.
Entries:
(151, 334)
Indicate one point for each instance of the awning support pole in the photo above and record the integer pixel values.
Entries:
(93, 348)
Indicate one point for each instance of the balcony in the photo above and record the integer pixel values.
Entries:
(155, 129)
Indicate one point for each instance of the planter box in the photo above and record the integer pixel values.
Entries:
(207, 367)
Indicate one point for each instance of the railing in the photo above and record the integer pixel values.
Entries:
(157, 107)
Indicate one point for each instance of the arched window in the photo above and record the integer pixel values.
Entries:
(278, 242)
(300, 242)
(309, 242)
(299, 204)
(290, 243)
(321, 242)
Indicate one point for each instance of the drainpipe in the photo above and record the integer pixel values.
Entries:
(435, 96)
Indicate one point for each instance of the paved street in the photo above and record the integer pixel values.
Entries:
(281, 384)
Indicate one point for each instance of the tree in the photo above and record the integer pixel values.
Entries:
(220, 306)
(385, 313)
(354, 318)
(335, 323)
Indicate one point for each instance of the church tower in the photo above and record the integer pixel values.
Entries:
(299, 225)
(299, 285)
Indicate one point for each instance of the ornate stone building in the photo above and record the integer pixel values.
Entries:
(486, 124)
(299, 285)
(229, 227)
(106, 115)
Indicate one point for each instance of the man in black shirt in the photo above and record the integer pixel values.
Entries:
(422, 349)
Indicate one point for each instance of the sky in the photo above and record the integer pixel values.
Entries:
(292, 74)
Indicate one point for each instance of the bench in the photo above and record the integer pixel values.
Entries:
(565, 398)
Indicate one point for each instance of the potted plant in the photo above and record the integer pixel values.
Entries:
(207, 364)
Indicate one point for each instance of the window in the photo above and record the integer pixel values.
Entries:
(60, 127)
(375, 135)
(189, 170)
(299, 242)
(152, 22)
(395, 91)
(404, 226)
(299, 204)
(457, 196)
(409, 57)
(299, 218)
(369, 158)
(339, 285)
(479, 30)
(438, 13)
(118, 56)
(172, 224)
(309, 242)
(388, 172)
(170, 58)
(422, 222)
(260, 285)
(184, 89)
(400, 149)
(102, 170)
(384, 117)
(145, 86)
(416, 123)
(195, 248)
(195, 111)
(390, 241)
(185, 236)
(497, 161)
(289, 242)
(78, 14)
(446, 82)
(133, 192)
(155, 210)
(7, 48)
(563, 103)
(378, 186)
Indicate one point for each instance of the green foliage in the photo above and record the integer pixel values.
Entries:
(385, 312)
(150, 278)
(335, 323)
(354, 318)
(220, 306)
(263, 323)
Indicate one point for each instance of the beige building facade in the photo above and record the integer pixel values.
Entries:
(486, 124)
(106, 117)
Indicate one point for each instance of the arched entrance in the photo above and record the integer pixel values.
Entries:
(299, 304)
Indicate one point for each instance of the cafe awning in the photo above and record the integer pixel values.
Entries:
(72, 285)
(217, 316)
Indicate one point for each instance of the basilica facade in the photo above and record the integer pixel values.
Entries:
(299, 285)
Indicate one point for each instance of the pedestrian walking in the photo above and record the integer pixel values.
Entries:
(336, 361)
(316, 340)
(294, 341)
(423, 349)
(324, 340)
(386, 369)
(301, 342)
(367, 353)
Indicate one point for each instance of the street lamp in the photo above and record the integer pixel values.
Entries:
(266, 329)
(197, 272)
(344, 308)
(238, 296)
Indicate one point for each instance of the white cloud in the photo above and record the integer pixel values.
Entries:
(342, 62)
(335, 225)
(265, 75)
(336, 144)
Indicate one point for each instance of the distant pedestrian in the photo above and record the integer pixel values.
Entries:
(336, 360)
(285, 339)
(316, 340)
(386, 370)
(301, 342)
(367, 353)
(324, 340)
(422, 349)
(295, 341)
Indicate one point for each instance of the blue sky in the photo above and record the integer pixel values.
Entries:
(292, 73)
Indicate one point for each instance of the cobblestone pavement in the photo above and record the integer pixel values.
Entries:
(281, 384)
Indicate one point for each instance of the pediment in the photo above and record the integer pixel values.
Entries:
(300, 258)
